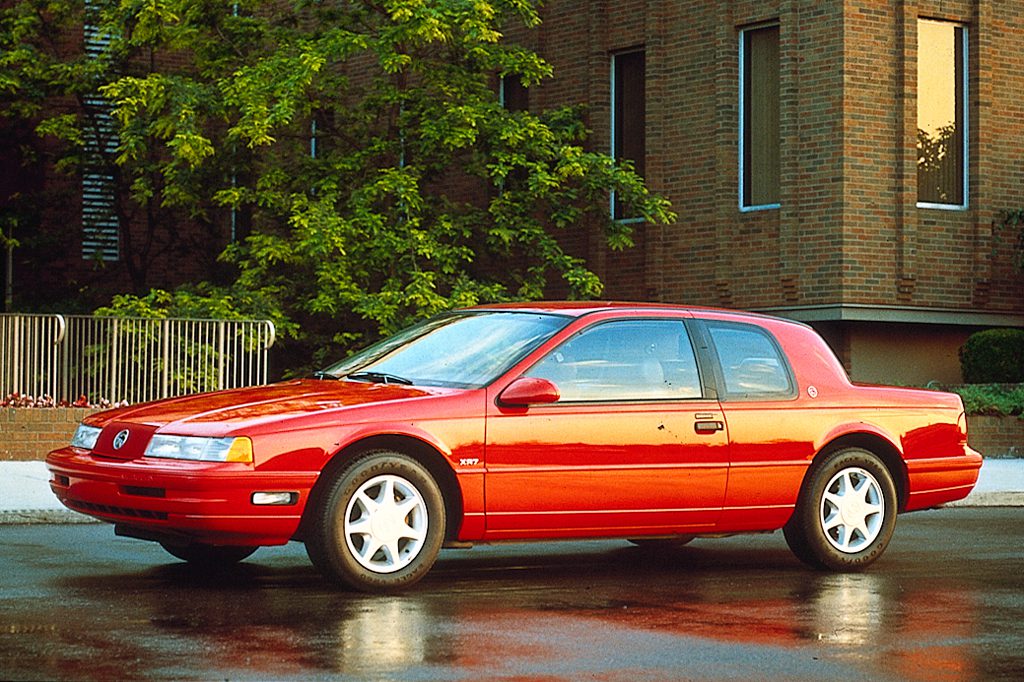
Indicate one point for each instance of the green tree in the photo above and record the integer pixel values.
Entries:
(359, 147)
(50, 81)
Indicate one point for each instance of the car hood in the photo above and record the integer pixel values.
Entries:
(261, 403)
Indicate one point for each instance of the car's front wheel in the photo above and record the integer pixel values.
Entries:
(846, 512)
(379, 524)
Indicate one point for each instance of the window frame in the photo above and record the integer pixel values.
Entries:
(743, 206)
(706, 385)
(965, 110)
(715, 360)
(613, 120)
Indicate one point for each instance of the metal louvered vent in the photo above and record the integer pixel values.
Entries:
(100, 225)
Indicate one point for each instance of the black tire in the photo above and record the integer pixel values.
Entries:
(209, 556)
(663, 543)
(846, 512)
(379, 524)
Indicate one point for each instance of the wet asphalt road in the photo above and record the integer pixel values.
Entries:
(945, 603)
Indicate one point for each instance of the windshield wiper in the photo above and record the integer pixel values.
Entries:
(379, 378)
(320, 374)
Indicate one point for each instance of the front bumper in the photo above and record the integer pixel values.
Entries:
(194, 501)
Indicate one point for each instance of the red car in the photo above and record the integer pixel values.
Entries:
(651, 423)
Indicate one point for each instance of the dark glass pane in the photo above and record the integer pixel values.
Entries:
(761, 116)
(514, 95)
(630, 113)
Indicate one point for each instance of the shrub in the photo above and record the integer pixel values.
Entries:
(991, 399)
(993, 356)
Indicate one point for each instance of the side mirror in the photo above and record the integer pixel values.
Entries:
(529, 391)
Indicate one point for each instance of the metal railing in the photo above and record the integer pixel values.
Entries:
(132, 359)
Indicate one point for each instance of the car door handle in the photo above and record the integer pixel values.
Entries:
(708, 426)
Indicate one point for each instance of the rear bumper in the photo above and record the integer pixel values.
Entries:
(199, 501)
(938, 480)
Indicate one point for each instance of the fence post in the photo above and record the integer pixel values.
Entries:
(115, 358)
(55, 374)
(220, 355)
(165, 356)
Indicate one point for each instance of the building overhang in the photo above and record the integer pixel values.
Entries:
(859, 312)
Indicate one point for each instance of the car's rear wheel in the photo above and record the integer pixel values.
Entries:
(210, 556)
(846, 512)
(379, 524)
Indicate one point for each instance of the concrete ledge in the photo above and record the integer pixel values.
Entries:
(26, 516)
(990, 499)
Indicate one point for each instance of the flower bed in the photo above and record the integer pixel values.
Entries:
(25, 401)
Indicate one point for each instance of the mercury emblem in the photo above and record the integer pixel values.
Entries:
(120, 439)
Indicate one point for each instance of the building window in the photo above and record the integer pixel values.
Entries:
(512, 94)
(100, 224)
(629, 118)
(941, 114)
(759, 118)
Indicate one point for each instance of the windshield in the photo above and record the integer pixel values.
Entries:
(458, 350)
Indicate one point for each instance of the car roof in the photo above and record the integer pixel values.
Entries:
(580, 308)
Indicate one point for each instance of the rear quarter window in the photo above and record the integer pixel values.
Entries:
(752, 365)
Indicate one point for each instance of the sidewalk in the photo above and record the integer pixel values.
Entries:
(25, 495)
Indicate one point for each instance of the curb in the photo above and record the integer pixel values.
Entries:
(987, 499)
(37, 516)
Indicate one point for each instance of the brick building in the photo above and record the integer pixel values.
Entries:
(786, 135)
(80, 239)
(842, 163)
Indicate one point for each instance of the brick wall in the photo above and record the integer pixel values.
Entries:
(997, 436)
(849, 230)
(29, 434)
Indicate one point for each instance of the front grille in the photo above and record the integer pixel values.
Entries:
(91, 507)
(143, 492)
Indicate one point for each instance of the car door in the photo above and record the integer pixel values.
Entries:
(770, 435)
(633, 446)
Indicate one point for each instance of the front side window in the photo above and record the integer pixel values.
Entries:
(752, 364)
(759, 118)
(629, 118)
(941, 114)
(624, 360)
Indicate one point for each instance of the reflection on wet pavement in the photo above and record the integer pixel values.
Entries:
(77, 603)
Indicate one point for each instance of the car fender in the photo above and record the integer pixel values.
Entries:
(856, 428)
(455, 460)
(871, 437)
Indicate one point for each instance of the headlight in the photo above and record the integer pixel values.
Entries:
(85, 437)
(200, 448)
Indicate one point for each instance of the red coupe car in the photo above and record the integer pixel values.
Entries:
(652, 423)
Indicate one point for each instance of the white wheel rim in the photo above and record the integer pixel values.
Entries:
(852, 510)
(386, 524)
